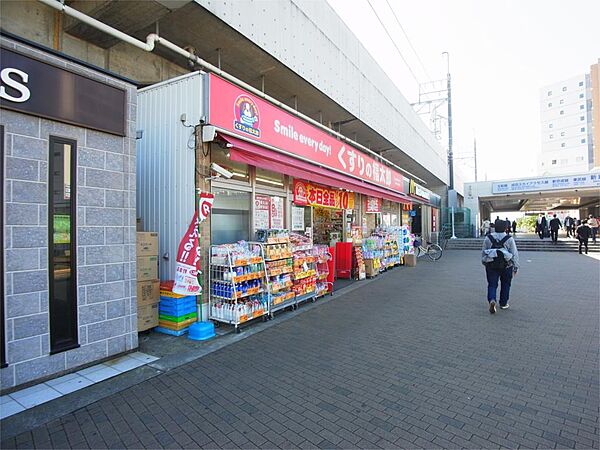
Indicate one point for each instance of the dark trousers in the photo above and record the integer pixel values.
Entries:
(594, 233)
(583, 242)
(541, 233)
(568, 231)
(505, 278)
(554, 235)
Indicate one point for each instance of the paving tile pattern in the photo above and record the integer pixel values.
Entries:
(412, 360)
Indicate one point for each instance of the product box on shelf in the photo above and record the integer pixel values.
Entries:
(147, 268)
(148, 292)
(146, 244)
(147, 316)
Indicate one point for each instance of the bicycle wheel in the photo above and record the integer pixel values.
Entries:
(434, 252)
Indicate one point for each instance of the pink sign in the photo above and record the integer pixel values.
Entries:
(373, 205)
(235, 110)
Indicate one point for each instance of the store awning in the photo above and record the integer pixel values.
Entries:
(255, 155)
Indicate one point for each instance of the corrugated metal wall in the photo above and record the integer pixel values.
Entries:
(165, 161)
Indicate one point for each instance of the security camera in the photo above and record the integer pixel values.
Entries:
(220, 170)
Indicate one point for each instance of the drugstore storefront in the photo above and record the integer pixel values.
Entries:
(287, 194)
(290, 174)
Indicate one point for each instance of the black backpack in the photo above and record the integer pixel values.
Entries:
(499, 262)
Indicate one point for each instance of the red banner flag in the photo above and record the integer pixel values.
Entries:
(205, 202)
(188, 262)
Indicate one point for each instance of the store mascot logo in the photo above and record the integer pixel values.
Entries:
(246, 115)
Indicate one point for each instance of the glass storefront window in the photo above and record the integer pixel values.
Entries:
(221, 157)
(268, 178)
(230, 216)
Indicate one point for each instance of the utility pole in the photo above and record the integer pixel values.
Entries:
(475, 156)
(450, 155)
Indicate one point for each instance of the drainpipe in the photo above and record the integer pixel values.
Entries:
(153, 39)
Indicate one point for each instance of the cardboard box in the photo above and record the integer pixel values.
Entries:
(147, 268)
(147, 244)
(410, 260)
(370, 269)
(148, 292)
(147, 317)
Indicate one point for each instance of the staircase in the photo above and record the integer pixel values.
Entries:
(527, 245)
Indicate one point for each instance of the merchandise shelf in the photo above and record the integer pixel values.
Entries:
(238, 284)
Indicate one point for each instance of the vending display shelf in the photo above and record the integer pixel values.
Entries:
(306, 274)
(239, 295)
(287, 256)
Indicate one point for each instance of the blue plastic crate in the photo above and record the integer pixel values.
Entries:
(171, 332)
(177, 304)
(176, 310)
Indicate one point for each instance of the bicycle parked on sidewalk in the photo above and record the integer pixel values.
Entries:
(433, 251)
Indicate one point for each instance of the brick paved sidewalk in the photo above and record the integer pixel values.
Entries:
(411, 360)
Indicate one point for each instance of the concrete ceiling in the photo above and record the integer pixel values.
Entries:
(189, 24)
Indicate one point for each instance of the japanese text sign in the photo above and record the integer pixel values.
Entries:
(233, 109)
(306, 194)
(373, 205)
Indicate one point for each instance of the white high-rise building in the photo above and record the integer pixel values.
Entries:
(566, 127)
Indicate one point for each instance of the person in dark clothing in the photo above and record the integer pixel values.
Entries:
(583, 235)
(569, 225)
(507, 226)
(554, 227)
(514, 227)
(541, 226)
(498, 222)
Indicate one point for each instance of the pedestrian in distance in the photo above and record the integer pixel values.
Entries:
(499, 222)
(584, 231)
(569, 225)
(507, 226)
(541, 226)
(485, 227)
(514, 227)
(593, 223)
(554, 227)
(500, 257)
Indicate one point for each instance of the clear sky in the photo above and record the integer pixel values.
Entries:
(501, 54)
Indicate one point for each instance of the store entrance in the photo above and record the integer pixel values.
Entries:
(328, 225)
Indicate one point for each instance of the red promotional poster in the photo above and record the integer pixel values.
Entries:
(188, 262)
(373, 205)
(235, 110)
(306, 194)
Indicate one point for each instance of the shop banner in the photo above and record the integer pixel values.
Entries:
(233, 109)
(276, 212)
(262, 207)
(373, 205)
(306, 194)
(188, 261)
(205, 202)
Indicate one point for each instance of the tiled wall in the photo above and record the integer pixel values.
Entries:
(105, 239)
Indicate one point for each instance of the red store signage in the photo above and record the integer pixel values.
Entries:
(235, 110)
(373, 205)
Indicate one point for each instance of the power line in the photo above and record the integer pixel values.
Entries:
(393, 42)
(408, 40)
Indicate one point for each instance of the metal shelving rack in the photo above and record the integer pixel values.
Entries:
(322, 268)
(278, 264)
(305, 268)
(238, 287)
